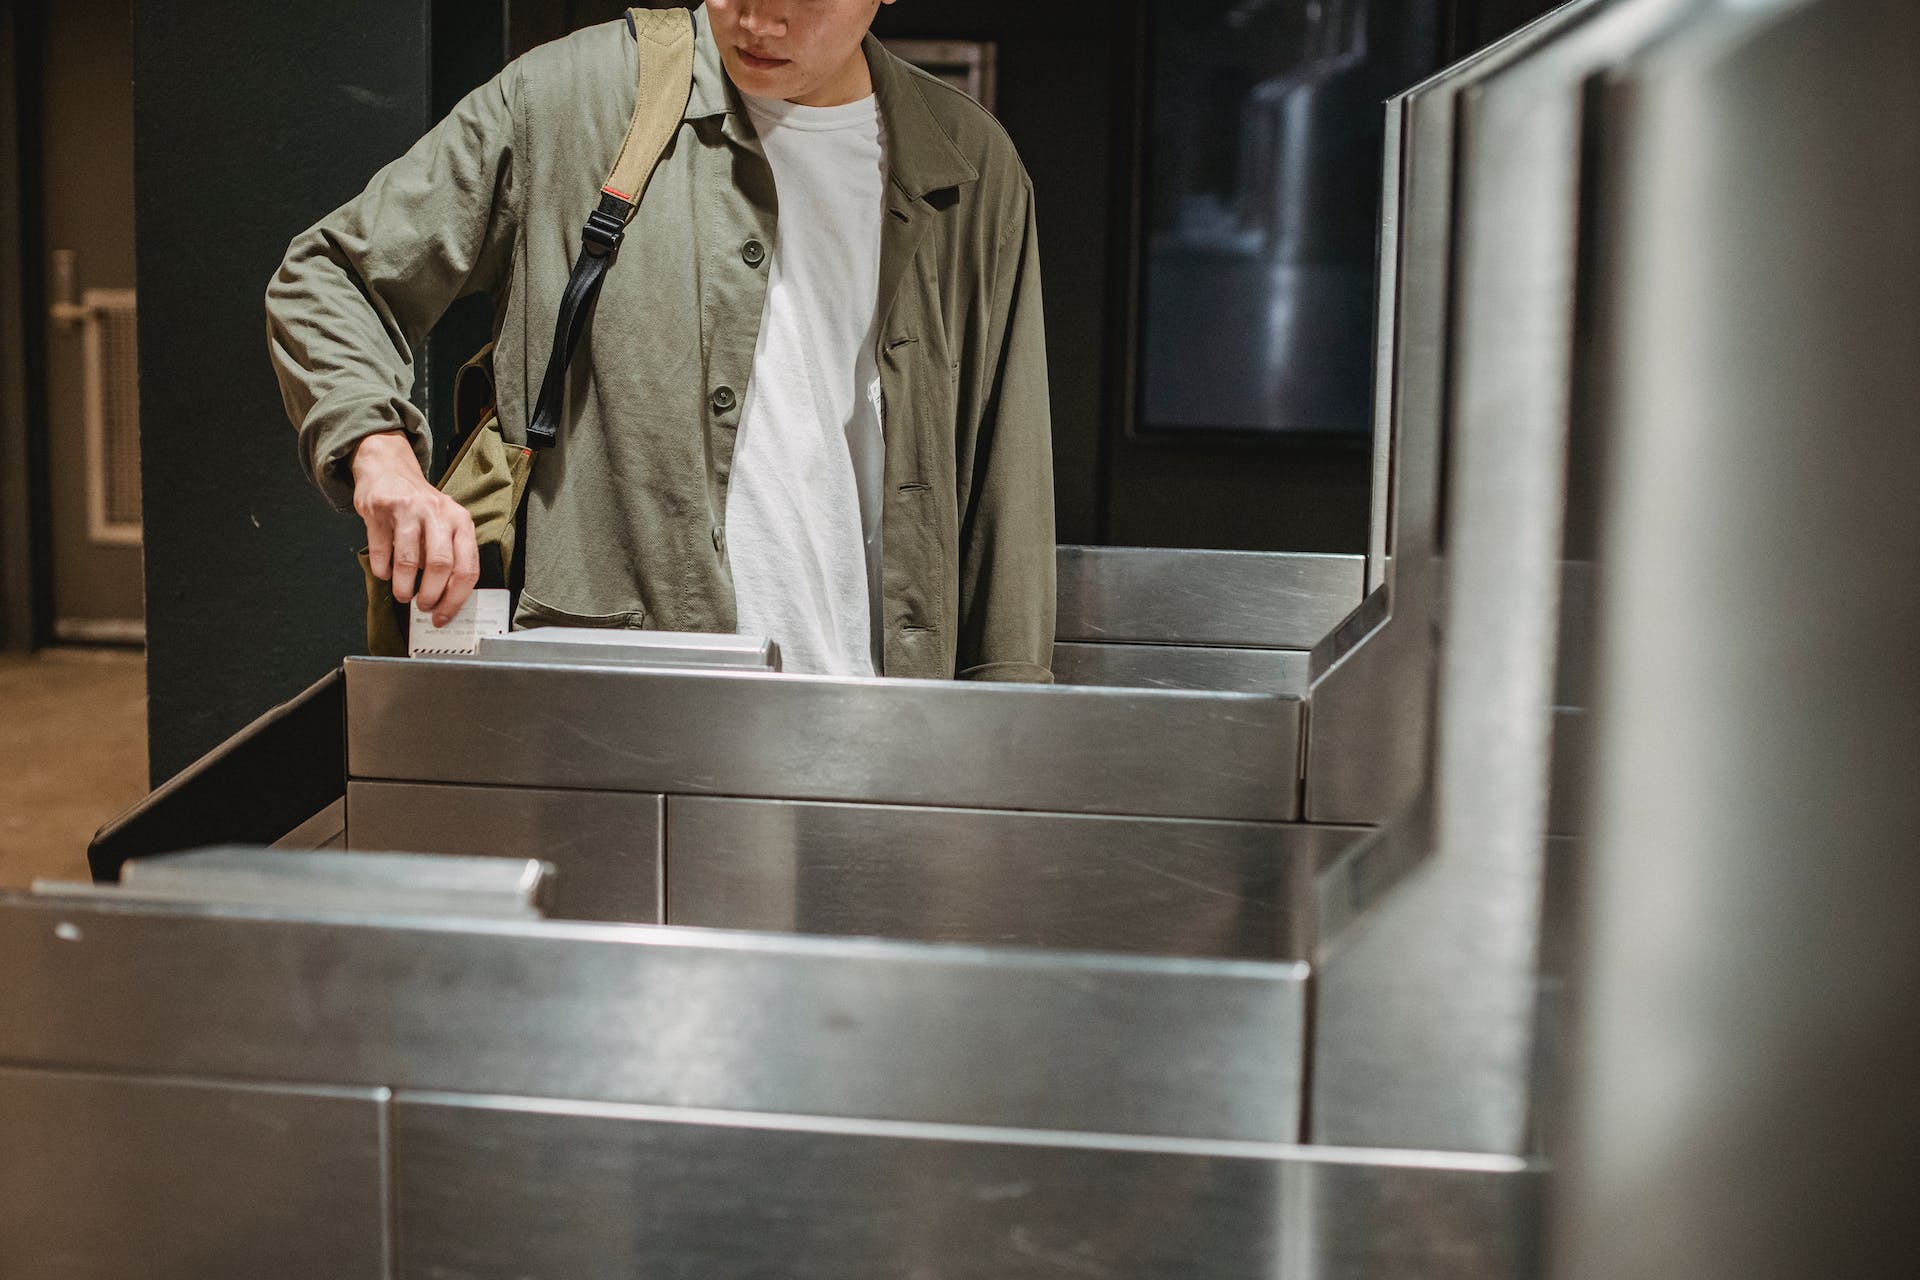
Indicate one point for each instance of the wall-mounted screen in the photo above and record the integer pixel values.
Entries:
(1261, 188)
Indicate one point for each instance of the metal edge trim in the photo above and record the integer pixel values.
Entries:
(101, 899)
(1451, 1161)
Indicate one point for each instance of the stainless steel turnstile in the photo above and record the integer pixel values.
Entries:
(1118, 819)
(1337, 845)
(1149, 803)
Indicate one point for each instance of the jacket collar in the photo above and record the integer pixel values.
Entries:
(713, 95)
(920, 155)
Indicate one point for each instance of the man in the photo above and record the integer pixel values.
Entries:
(812, 401)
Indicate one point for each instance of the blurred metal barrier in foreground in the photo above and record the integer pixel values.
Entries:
(346, 1093)
(1750, 983)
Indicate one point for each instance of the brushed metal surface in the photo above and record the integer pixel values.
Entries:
(1349, 635)
(327, 880)
(1238, 599)
(1748, 991)
(605, 847)
(1155, 753)
(1413, 383)
(497, 1190)
(1386, 311)
(116, 1178)
(1568, 778)
(1154, 666)
(1146, 885)
(683, 1017)
(1424, 1031)
(1369, 737)
(1573, 679)
(1370, 732)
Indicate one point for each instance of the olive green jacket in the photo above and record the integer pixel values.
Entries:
(626, 519)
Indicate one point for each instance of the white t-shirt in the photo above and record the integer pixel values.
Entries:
(803, 505)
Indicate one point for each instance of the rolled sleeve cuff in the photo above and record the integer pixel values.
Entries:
(332, 451)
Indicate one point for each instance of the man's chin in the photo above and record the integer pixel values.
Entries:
(779, 82)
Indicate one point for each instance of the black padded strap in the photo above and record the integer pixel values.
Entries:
(600, 244)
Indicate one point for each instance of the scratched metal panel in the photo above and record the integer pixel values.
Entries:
(1239, 599)
(1052, 749)
(119, 1178)
(605, 847)
(497, 1190)
(1156, 886)
(1163, 666)
(638, 1013)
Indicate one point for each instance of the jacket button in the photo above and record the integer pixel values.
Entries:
(719, 539)
(723, 399)
(754, 252)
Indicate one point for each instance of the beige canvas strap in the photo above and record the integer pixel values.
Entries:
(665, 40)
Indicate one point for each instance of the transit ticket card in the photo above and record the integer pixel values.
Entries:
(484, 614)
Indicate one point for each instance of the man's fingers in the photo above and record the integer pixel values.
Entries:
(436, 563)
(386, 487)
(406, 557)
(466, 569)
(418, 539)
(380, 548)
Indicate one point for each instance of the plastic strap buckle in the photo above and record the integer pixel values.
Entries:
(602, 234)
(606, 225)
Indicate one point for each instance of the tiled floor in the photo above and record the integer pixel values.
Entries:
(73, 753)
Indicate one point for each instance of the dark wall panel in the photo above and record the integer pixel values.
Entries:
(24, 541)
(1480, 22)
(251, 121)
(1305, 498)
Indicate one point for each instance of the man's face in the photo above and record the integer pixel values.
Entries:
(805, 51)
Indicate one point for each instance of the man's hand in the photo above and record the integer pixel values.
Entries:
(412, 528)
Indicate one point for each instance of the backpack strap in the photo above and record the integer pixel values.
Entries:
(665, 41)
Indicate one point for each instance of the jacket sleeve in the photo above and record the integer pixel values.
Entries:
(354, 299)
(1006, 535)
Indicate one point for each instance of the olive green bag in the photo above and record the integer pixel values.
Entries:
(488, 474)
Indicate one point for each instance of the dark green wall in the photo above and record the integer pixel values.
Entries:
(251, 121)
(1480, 22)
(25, 541)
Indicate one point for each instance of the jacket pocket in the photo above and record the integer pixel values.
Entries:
(537, 613)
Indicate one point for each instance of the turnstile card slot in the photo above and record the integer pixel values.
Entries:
(592, 646)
